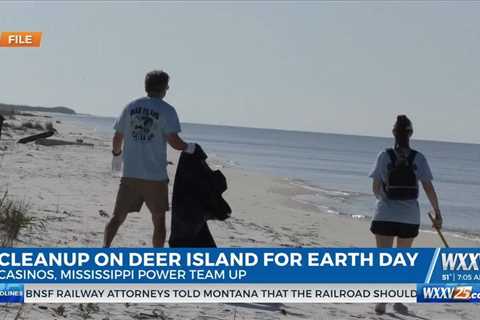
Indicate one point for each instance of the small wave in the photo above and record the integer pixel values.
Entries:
(324, 191)
(315, 201)
(358, 216)
(221, 162)
(311, 200)
(464, 235)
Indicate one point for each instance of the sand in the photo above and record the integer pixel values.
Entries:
(72, 191)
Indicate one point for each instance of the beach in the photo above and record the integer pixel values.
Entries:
(70, 189)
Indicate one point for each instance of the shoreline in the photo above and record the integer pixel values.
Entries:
(334, 197)
(71, 189)
(285, 191)
(299, 188)
(424, 227)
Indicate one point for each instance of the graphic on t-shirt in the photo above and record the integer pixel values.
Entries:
(143, 123)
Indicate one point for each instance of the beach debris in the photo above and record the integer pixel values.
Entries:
(67, 214)
(93, 307)
(19, 312)
(8, 125)
(31, 125)
(102, 213)
(56, 142)
(59, 311)
(88, 309)
(35, 137)
(49, 126)
(153, 315)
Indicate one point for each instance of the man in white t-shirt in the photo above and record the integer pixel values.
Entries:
(143, 130)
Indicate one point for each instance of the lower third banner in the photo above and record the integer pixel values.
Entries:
(235, 275)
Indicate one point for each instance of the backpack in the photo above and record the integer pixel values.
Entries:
(401, 182)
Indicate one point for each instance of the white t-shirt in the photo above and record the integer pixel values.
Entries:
(144, 124)
(404, 211)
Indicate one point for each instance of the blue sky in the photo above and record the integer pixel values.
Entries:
(343, 67)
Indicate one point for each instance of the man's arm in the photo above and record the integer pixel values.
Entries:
(177, 143)
(117, 143)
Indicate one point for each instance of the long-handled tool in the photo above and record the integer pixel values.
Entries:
(440, 234)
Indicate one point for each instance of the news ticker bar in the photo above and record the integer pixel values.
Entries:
(217, 293)
(236, 293)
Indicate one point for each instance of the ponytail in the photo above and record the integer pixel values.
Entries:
(402, 131)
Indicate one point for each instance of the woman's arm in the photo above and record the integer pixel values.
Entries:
(377, 188)
(433, 198)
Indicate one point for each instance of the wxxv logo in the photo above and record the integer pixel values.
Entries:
(447, 293)
(461, 261)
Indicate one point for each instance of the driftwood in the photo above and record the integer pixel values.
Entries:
(36, 137)
(55, 142)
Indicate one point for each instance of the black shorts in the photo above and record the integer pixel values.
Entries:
(394, 229)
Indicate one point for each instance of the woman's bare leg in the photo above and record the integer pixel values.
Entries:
(403, 243)
(383, 242)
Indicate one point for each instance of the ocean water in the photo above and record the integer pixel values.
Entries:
(336, 167)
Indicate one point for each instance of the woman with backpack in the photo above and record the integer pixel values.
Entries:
(395, 185)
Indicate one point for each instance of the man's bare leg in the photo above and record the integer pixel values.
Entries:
(112, 227)
(159, 231)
